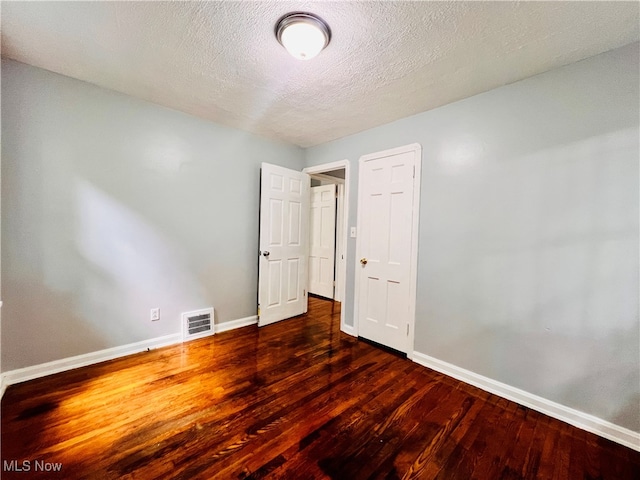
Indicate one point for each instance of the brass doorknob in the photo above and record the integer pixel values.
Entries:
(363, 261)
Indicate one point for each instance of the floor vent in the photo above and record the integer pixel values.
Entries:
(197, 324)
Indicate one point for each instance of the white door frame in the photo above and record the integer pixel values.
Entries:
(413, 279)
(342, 266)
(341, 245)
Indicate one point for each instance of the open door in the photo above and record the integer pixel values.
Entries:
(322, 248)
(284, 244)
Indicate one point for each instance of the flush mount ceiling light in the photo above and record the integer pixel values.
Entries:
(304, 35)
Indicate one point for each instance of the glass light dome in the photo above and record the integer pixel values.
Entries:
(303, 35)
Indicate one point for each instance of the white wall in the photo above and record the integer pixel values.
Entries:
(528, 253)
(112, 206)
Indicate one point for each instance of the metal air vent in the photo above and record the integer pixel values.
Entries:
(197, 324)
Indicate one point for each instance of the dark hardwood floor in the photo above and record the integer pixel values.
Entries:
(294, 400)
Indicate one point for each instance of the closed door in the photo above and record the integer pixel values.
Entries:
(387, 250)
(322, 249)
(284, 244)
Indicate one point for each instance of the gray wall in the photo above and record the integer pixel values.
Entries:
(112, 206)
(528, 253)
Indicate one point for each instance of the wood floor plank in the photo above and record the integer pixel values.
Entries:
(346, 434)
(549, 450)
(297, 399)
(503, 425)
(292, 425)
(454, 457)
(562, 456)
(513, 462)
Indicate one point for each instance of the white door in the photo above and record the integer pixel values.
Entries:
(322, 248)
(387, 246)
(284, 244)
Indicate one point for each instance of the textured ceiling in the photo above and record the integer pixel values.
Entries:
(386, 60)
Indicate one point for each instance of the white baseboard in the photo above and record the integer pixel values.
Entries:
(239, 323)
(36, 371)
(42, 370)
(579, 419)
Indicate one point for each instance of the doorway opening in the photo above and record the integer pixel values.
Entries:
(283, 266)
(329, 264)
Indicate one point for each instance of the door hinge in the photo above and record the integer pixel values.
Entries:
(304, 293)
(407, 329)
(414, 171)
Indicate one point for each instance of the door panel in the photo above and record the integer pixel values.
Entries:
(284, 245)
(322, 239)
(386, 275)
(294, 287)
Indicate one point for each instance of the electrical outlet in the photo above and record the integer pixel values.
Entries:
(155, 314)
